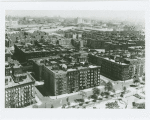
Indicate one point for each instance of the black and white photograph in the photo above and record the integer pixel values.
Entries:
(75, 59)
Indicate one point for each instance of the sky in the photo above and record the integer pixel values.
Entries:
(115, 15)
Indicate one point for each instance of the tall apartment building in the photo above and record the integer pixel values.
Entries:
(24, 53)
(62, 81)
(19, 91)
(118, 65)
(39, 63)
(114, 70)
(55, 81)
(19, 87)
(61, 76)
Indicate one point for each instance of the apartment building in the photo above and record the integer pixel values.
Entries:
(119, 65)
(19, 91)
(65, 79)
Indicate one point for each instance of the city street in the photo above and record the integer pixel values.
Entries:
(58, 101)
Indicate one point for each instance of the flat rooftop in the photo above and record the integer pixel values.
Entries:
(71, 69)
(13, 84)
(111, 60)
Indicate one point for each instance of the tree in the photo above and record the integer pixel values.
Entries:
(121, 95)
(112, 105)
(106, 94)
(89, 97)
(124, 89)
(108, 86)
(64, 105)
(96, 91)
(82, 93)
(103, 82)
(94, 96)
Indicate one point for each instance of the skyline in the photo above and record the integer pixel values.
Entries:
(132, 16)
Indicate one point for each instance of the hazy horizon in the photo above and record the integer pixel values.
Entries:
(137, 16)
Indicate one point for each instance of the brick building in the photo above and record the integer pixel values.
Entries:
(39, 63)
(119, 65)
(112, 39)
(24, 53)
(55, 81)
(19, 91)
(61, 76)
(114, 70)
(19, 85)
(68, 80)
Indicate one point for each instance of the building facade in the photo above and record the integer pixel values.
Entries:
(119, 65)
(19, 91)
(69, 80)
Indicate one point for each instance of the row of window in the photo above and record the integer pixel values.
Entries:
(24, 95)
(18, 88)
(85, 72)
(18, 99)
(19, 91)
(85, 79)
(21, 103)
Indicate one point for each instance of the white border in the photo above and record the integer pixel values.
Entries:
(72, 114)
(63, 0)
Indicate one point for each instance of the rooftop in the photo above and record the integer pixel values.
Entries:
(13, 84)
(111, 60)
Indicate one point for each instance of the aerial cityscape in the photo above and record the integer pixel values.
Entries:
(75, 59)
